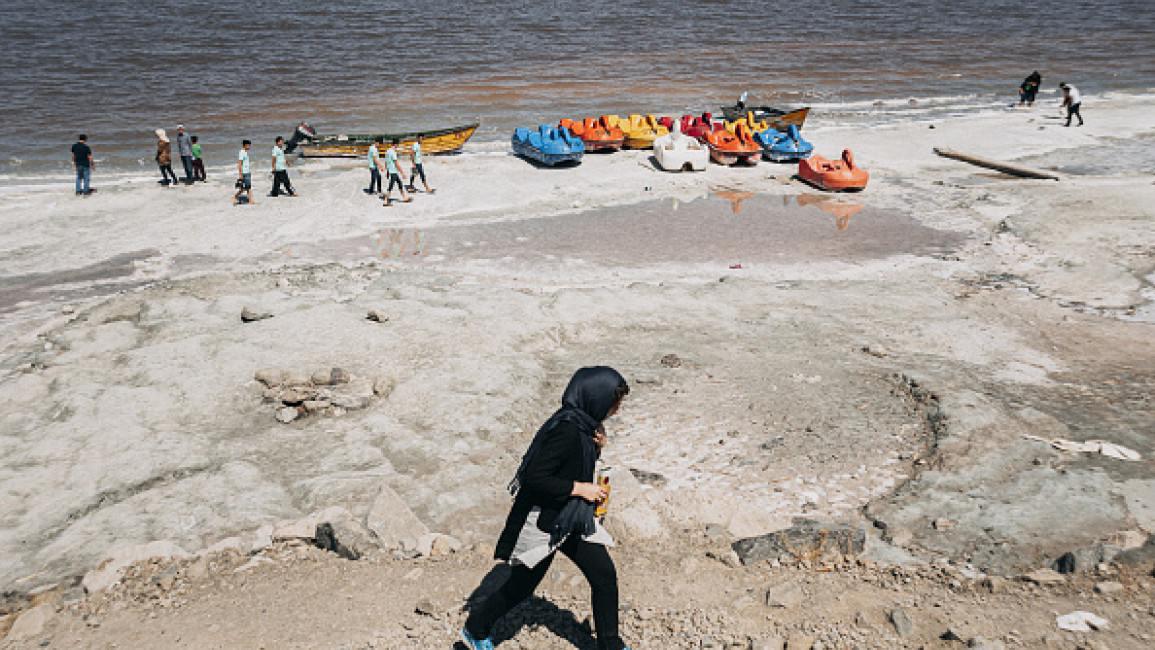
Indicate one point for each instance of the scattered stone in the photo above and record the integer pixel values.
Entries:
(1128, 539)
(393, 522)
(799, 642)
(383, 386)
(950, 635)
(437, 545)
(377, 316)
(262, 539)
(671, 361)
(1080, 621)
(806, 540)
(426, 607)
(979, 643)
(1108, 587)
(271, 377)
(249, 315)
(768, 643)
(331, 377)
(784, 596)
(294, 397)
(1066, 563)
(351, 402)
(903, 626)
(110, 571)
(295, 378)
(326, 539)
(315, 405)
(876, 351)
(287, 414)
(648, 478)
(943, 523)
(898, 536)
(31, 622)
(1044, 577)
(994, 584)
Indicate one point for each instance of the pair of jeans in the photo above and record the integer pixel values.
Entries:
(187, 161)
(1073, 111)
(83, 178)
(198, 165)
(395, 179)
(374, 180)
(418, 170)
(165, 172)
(593, 560)
(281, 179)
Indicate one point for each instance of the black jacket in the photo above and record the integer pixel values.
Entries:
(547, 483)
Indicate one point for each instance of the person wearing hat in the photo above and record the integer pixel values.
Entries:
(164, 159)
(1072, 101)
(184, 148)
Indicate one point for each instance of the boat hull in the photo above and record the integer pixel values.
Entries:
(834, 175)
(774, 118)
(437, 141)
(604, 145)
(731, 158)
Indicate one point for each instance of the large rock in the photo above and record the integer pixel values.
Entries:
(805, 540)
(393, 522)
(31, 622)
(111, 570)
(636, 521)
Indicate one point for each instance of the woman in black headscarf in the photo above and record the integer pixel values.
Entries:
(553, 509)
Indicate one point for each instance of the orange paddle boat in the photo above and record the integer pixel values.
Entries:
(833, 175)
(734, 147)
(594, 134)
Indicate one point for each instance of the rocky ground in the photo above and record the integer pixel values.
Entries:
(893, 367)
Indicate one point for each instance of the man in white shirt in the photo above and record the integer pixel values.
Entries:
(1072, 100)
(280, 170)
(375, 167)
(244, 183)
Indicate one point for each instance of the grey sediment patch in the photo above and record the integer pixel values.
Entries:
(81, 281)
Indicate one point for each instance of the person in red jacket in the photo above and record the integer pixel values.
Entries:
(553, 510)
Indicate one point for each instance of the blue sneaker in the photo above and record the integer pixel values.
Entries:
(474, 644)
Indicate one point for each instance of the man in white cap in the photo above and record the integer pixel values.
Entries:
(184, 147)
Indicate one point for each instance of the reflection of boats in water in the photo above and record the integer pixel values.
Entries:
(735, 197)
(433, 141)
(841, 210)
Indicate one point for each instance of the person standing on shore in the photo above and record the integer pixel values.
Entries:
(375, 167)
(280, 170)
(184, 148)
(394, 171)
(198, 163)
(553, 509)
(418, 169)
(164, 159)
(82, 162)
(1030, 88)
(1072, 101)
(244, 175)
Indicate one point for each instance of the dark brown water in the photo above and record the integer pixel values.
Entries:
(118, 69)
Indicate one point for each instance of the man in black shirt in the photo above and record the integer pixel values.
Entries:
(82, 161)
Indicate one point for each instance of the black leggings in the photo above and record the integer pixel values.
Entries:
(165, 172)
(1073, 111)
(593, 560)
(281, 178)
(418, 170)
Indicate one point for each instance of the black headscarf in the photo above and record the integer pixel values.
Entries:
(587, 401)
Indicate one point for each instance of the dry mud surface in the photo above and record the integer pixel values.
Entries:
(876, 361)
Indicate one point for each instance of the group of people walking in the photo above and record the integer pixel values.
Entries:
(189, 150)
(389, 164)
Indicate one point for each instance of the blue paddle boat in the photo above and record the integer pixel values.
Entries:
(784, 146)
(549, 145)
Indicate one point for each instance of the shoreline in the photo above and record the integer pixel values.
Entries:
(133, 411)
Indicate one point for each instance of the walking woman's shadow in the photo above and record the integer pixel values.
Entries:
(534, 611)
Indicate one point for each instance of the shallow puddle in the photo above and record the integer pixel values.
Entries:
(730, 226)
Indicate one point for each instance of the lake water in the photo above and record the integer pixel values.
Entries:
(119, 69)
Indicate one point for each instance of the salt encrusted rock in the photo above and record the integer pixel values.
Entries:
(903, 626)
(383, 386)
(636, 521)
(110, 571)
(768, 643)
(115, 311)
(30, 622)
(1044, 577)
(1108, 587)
(294, 397)
(437, 545)
(315, 405)
(805, 540)
(942, 523)
(351, 402)
(271, 377)
(296, 378)
(287, 414)
(898, 536)
(262, 538)
(228, 544)
(331, 377)
(671, 361)
(393, 522)
(249, 315)
(377, 316)
(784, 596)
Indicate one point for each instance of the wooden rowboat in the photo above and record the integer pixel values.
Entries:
(449, 140)
(775, 118)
